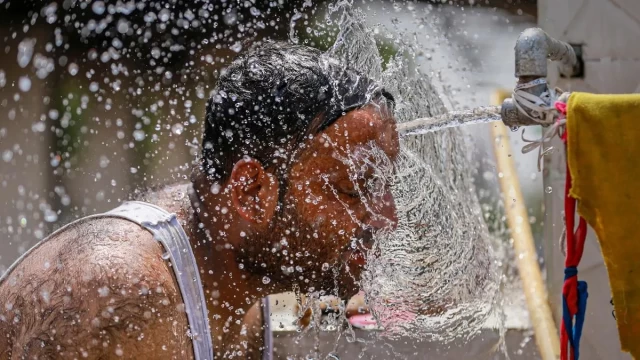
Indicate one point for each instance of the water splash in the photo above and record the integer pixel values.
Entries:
(435, 277)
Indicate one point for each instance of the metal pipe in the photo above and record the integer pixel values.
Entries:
(512, 117)
(534, 47)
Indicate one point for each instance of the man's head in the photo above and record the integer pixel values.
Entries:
(298, 151)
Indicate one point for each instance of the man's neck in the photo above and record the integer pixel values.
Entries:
(230, 291)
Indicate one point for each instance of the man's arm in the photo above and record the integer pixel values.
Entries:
(100, 290)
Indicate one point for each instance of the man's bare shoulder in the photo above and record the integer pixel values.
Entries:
(89, 250)
(98, 289)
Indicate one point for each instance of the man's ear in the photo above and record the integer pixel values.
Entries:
(254, 191)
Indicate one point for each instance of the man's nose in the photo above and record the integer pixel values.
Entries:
(387, 217)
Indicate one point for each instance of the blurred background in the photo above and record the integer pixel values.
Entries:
(102, 99)
(99, 99)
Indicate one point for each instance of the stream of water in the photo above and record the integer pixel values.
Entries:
(451, 119)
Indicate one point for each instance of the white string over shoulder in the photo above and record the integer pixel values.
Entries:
(167, 230)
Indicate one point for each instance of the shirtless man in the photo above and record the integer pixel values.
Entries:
(284, 195)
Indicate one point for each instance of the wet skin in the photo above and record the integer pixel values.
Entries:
(101, 289)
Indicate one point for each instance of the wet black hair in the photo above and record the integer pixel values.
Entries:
(271, 98)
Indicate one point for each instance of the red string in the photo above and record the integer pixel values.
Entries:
(575, 247)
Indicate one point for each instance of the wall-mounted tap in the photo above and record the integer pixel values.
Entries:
(533, 48)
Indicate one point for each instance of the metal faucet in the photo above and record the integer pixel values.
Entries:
(533, 48)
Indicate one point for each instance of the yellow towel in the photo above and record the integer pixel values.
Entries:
(604, 160)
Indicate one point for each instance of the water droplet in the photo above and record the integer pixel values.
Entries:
(488, 175)
(50, 216)
(98, 7)
(237, 47)
(164, 15)
(266, 280)
(123, 26)
(25, 52)
(166, 256)
(53, 114)
(325, 267)
(177, 128)
(73, 69)
(155, 52)
(7, 155)
(55, 161)
(150, 17)
(139, 135)
(548, 190)
(39, 126)
(230, 18)
(215, 189)
(24, 83)
(46, 296)
(104, 161)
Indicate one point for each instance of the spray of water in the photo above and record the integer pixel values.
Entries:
(477, 115)
(435, 276)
